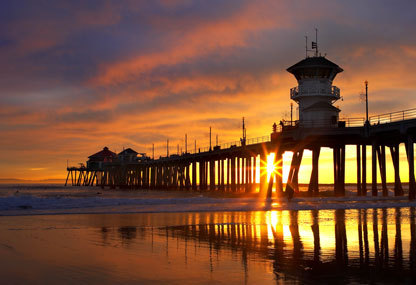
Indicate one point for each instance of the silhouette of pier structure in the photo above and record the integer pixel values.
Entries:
(233, 167)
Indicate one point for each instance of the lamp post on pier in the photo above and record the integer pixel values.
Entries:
(366, 102)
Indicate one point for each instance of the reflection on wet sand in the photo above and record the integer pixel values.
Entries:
(341, 246)
(296, 250)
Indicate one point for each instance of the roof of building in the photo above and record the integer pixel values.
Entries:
(103, 154)
(128, 151)
(322, 105)
(316, 61)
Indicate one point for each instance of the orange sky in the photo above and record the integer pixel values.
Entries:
(79, 76)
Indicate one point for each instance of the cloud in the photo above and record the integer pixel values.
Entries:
(79, 75)
(37, 168)
(191, 38)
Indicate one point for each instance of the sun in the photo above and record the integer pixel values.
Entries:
(272, 166)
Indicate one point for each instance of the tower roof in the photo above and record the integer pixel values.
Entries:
(317, 61)
(317, 66)
(322, 106)
(128, 151)
(103, 155)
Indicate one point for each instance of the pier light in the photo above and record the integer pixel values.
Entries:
(315, 93)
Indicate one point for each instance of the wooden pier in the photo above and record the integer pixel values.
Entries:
(233, 169)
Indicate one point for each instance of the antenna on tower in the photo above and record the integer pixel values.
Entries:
(366, 102)
(209, 138)
(306, 46)
(186, 143)
(243, 140)
(315, 43)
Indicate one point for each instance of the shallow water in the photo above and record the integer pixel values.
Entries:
(56, 199)
(173, 237)
(259, 247)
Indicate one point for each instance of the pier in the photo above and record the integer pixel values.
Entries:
(232, 167)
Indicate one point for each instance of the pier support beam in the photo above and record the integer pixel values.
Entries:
(157, 176)
(153, 177)
(263, 172)
(228, 174)
(187, 176)
(313, 188)
(411, 161)
(218, 174)
(66, 181)
(163, 176)
(238, 173)
(243, 171)
(212, 175)
(205, 181)
(254, 186)
(339, 170)
(181, 176)
(248, 174)
(293, 180)
(222, 182)
(174, 176)
(194, 186)
(295, 177)
(201, 175)
(148, 177)
(233, 174)
(279, 173)
(394, 151)
(381, 154)
(271, 179)
(374, 147)
(359, 192)
(364, 171)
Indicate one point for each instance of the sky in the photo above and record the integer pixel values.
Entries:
(76, 76)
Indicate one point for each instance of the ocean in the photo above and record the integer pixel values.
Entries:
(55, 234)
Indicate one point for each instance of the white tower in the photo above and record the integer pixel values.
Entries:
(315, 93)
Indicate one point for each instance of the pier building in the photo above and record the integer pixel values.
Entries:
(315, 93)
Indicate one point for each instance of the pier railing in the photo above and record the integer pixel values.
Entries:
(353, 122)
(317, 90)
(238, 143)
(342, 122)
(393, 117)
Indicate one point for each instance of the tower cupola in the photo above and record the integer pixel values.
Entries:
(315, 93)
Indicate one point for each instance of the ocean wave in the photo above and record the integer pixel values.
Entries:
(28, 204)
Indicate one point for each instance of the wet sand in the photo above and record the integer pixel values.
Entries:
(260, 247)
